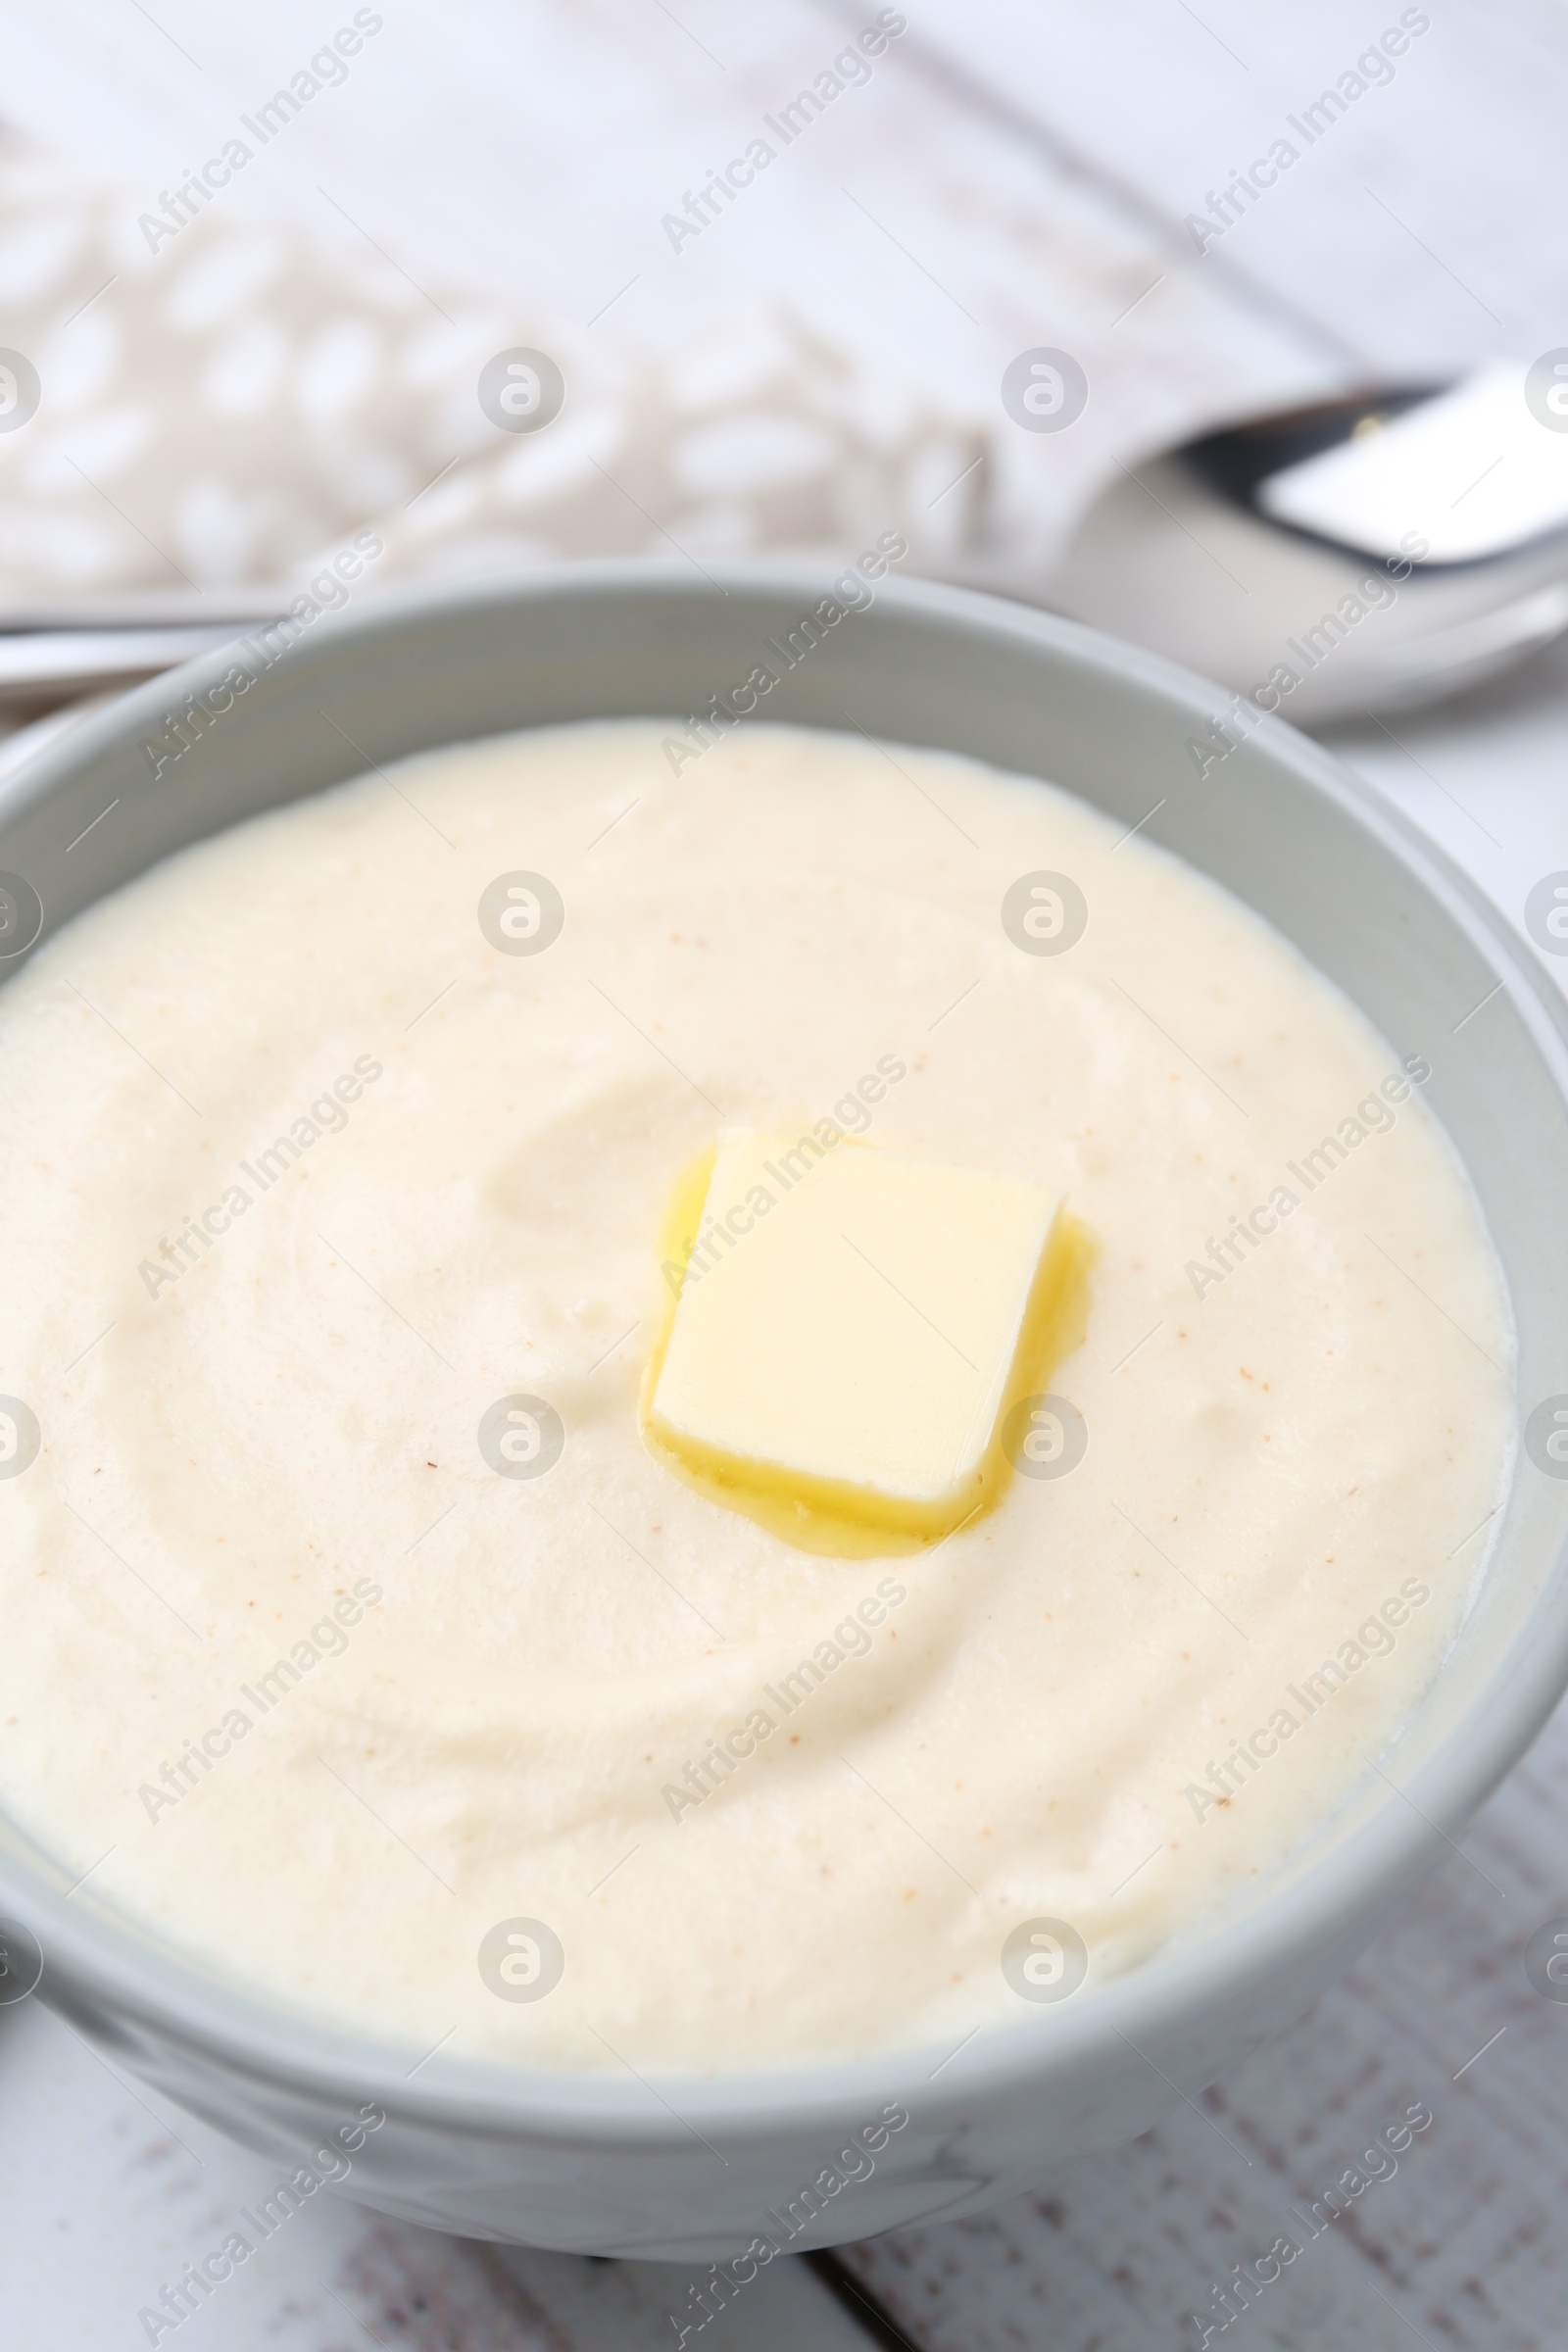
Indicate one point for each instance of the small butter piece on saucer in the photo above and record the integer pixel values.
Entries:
(847, 1330)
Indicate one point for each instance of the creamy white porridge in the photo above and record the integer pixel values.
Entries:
(355, 1661)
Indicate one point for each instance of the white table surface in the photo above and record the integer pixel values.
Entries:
(1012, 175)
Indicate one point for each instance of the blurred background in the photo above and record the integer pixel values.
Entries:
(474, 176)
(492, 286)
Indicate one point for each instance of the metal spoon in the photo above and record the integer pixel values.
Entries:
(49, 654)
(1388, 547)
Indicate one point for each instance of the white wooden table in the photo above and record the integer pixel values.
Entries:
(1010, 175)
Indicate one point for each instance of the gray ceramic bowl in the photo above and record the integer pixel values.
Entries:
(690, 2171)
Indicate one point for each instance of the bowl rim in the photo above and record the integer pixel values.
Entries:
(107, 1959)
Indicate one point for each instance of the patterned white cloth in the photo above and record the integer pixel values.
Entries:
(222, 411)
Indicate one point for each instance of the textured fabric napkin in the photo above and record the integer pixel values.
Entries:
(219, 405)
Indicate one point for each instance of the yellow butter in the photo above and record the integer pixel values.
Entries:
(850, 1330)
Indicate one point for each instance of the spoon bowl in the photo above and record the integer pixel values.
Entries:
(1386, 549)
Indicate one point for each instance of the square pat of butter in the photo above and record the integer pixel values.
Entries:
(848, 1327)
